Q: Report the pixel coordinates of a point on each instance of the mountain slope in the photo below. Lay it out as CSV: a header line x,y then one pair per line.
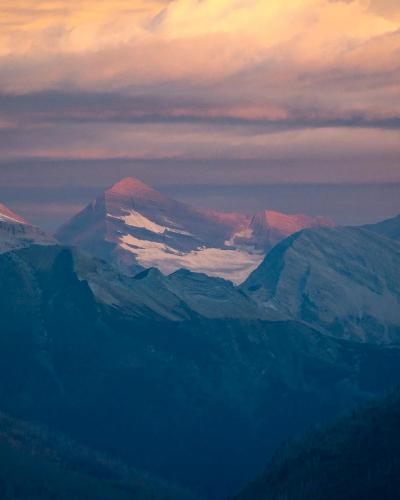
x,y
389,228
136,227
15,232
197,401
358,457
149,295
42,465
345,281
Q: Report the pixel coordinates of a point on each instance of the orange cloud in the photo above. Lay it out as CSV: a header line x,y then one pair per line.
x,y
302,62
92,43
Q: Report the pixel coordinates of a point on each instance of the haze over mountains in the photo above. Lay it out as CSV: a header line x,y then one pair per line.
x,y
135,227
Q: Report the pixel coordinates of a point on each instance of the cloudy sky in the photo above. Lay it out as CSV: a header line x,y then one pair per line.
x,y
225,94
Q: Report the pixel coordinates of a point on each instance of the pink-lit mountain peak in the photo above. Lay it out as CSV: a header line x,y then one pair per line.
x,y
8,215
16,232
130,187
136,227
289,223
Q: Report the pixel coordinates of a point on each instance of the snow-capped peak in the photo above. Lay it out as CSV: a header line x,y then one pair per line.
x,y
135,226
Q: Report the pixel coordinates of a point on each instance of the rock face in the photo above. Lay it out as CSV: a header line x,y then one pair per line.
x,y
343,281
16,232
136,227
200,400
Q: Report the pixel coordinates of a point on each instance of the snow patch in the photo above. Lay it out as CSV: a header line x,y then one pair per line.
x,y
234,265
243,234
136,219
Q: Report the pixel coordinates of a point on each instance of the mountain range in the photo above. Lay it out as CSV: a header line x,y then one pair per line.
x,y
192,400
178,373
135,227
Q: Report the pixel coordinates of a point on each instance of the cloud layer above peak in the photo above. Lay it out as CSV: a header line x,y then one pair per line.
x,y
255,66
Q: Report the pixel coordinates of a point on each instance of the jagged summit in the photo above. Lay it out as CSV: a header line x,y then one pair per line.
x,y
7,215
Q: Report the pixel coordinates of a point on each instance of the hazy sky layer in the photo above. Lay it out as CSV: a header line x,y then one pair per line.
x,y
48,192
261,92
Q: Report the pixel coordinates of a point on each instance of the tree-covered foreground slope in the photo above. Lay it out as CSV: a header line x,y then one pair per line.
x,y
357,458
198,400
37,464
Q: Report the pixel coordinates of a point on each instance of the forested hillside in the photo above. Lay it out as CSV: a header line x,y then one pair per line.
x,y
358,458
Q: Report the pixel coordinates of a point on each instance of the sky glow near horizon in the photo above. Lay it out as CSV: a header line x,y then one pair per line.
x,y
310,82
